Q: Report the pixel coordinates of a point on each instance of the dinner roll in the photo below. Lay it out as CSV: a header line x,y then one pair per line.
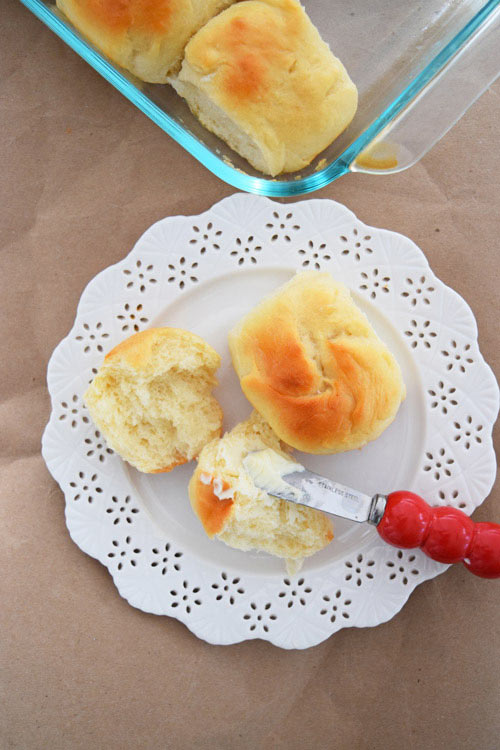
x,y
261,78
234,510
310,362
151,398
147,37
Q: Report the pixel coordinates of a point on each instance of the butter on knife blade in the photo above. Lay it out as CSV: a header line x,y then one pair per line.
x,y
291,481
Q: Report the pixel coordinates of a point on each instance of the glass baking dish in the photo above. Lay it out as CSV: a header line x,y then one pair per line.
x,y
417,66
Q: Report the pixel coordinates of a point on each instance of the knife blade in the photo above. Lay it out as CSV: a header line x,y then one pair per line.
x,y
291,481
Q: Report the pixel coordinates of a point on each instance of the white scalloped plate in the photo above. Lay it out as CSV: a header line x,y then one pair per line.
x,y
203,273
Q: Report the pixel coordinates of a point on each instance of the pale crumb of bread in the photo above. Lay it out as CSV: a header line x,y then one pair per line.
x,y
152,399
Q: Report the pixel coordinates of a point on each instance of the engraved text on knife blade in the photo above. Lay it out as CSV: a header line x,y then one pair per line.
x,y
326,495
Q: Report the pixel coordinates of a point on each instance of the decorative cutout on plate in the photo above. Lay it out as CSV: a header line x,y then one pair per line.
x,y
420,333
418,291
260,617
186,597
246,250
206,238
123,552
336,606
439,463
450,497
95,447
85,487
132,318
295,592
122,510
359,569
374,283
73,411
92,337
314,255
443,396
355,245
166,559
403,567
228,588
458,357
93,373
139,276
468,433
183,273
282,226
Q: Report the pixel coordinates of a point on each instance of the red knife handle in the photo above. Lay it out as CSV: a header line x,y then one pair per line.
x,y
445,534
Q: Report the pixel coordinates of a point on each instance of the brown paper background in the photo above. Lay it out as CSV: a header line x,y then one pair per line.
x,y
82,175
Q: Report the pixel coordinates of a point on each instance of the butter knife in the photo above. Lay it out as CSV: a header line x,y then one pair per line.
x,y
402,519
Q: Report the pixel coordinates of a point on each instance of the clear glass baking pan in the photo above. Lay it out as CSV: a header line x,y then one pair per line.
x,y
417,66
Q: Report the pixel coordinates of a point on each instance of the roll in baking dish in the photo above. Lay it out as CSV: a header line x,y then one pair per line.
x,y
146,37
260,77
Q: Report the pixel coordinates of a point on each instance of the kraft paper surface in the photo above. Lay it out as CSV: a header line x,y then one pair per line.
x,y
83,174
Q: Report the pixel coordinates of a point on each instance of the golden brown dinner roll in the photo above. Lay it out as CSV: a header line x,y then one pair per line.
x,y
311,364
151,398
234,510
261,78
147,37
